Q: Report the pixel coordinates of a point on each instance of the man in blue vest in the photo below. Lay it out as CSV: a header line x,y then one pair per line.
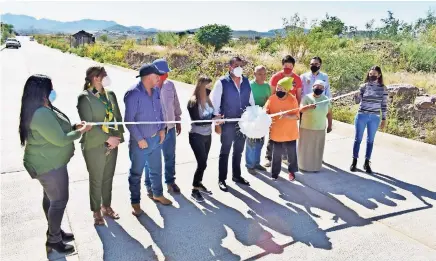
x,y
230,96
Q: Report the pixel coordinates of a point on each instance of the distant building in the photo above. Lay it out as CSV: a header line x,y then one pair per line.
x,y
81,38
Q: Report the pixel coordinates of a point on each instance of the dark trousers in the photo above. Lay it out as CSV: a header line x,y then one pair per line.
x,y
231,134
54,202
269,149
288,148
200,144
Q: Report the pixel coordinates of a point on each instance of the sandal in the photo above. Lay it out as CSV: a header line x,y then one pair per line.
x,y
108,211
98,219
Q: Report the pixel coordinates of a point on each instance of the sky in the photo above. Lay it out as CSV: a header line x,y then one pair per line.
x,y
245,15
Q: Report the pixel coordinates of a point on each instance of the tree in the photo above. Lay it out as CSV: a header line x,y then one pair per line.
x,y
424,24
333,24
391,25
104,37
214,35
7,30
295,39
370,27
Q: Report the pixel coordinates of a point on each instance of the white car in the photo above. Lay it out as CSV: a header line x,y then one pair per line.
x,y
12,42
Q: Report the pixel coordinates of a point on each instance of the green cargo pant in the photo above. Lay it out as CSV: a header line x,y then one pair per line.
x,y
101,170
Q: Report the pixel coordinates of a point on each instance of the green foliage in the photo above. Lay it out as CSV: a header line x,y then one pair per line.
x,y
167,39
415,56
295,40
215,35
7,30
104,38
344,113
268,45
333,25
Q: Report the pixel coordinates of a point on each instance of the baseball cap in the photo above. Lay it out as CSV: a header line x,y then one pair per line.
x,y
149,68
162,65
319,82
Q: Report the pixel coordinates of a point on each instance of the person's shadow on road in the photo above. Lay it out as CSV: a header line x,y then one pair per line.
x,y
188,233
119,245
289,221
358,189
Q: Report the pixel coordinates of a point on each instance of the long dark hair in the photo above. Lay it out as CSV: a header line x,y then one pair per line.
x,y
201,83
380,78
35,94
91,72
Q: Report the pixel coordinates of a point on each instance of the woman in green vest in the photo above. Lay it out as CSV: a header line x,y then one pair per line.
x,y
48,138
100,145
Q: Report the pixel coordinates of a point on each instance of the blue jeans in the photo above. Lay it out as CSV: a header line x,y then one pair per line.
x,y
252,152
362,121
169,153
139,157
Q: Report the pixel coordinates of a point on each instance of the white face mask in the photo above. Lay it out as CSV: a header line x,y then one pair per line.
x,y
238,71
106,81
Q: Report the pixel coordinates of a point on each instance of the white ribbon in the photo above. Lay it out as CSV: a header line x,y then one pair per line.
x,y
219,120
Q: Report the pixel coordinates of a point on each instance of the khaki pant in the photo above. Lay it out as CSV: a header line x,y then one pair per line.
x,y
101,168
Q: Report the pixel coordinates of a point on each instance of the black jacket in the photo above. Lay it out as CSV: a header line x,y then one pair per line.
x,y
195,115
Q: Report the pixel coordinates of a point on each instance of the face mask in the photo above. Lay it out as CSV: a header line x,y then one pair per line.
x,y
163,77
318,91
237,72
373,78
287,70
314,68
280,94
106,81
52,96
208,92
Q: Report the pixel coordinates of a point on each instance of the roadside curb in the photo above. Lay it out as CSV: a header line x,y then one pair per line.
x,y
2,47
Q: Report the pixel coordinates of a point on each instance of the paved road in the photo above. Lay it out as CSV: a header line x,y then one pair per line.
x,y
332,215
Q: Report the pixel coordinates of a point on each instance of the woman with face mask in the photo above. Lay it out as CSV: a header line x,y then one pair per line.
x,y
48,138
200,137
284,128
315,108
100,146
373,99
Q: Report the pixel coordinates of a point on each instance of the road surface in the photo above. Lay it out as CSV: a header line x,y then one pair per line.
x,y
331,215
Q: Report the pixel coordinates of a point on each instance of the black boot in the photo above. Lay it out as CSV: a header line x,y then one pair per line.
x,y
353,165
60,247
65,236
367,167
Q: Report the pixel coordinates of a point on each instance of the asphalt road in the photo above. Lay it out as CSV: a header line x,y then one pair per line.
x,y
331,215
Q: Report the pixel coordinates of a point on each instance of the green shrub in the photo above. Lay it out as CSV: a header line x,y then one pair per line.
x,y
167,39
416,56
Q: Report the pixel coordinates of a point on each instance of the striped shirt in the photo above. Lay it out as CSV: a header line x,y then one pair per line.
x,y
142,107
373,98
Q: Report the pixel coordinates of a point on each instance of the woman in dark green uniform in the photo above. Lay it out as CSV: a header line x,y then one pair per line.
x,y
100,145
48,138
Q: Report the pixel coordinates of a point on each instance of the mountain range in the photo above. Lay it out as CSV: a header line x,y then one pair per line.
x,y
31,25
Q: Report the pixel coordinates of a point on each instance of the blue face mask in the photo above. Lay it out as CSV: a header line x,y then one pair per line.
x,y
52,96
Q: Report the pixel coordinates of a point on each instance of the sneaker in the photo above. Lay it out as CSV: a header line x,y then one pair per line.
x,y
353,167
367,167
196,195
252,171
223,186
260,167
203,189
291,176
241,180
173,188
163,200
268,163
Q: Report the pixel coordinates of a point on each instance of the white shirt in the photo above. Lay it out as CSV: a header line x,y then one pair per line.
x,y
308,79
217,93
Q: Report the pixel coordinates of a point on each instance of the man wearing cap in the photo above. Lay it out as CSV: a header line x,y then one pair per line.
x,y
143,104
171,112
230,96
284,128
